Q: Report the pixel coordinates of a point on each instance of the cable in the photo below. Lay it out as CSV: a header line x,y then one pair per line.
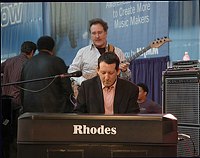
x,y
182,136
73,100
36,91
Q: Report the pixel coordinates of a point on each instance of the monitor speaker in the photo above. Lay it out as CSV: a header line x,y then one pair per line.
x,y
181,97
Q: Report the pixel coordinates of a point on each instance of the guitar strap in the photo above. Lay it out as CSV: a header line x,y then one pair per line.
x,y
111,48
76,87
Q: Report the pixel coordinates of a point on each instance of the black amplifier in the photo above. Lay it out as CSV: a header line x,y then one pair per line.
x,y
186,64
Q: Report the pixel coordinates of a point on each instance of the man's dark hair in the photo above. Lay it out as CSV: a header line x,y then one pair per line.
x,y
144,87
28,46
109,58
45,42
98,21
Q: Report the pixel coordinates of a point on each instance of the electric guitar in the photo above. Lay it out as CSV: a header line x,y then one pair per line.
x,y
155,44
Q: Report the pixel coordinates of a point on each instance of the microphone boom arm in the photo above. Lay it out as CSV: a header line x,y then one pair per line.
x,y
73,74
28,81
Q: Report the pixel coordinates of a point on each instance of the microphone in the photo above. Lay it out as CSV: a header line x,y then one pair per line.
x,y
73,74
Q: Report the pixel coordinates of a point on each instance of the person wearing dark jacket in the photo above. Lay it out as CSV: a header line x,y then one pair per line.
x,y
49,95
107,93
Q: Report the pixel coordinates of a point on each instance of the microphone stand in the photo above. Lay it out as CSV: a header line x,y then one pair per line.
x,y
33,80
40,79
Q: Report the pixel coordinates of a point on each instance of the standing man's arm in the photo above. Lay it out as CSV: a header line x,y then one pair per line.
x,y
124,67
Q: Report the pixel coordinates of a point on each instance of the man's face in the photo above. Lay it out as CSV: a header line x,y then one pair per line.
x,y
107,73
142,94
98,35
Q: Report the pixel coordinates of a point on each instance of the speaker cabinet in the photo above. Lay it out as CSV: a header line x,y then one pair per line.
x,y
181,97
188,147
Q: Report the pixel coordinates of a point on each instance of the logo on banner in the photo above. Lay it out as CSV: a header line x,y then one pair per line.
x,y
11,14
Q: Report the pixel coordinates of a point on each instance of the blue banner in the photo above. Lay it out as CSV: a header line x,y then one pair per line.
x,y
19,22
133,25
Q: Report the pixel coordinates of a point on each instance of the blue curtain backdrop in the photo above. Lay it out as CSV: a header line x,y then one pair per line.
x,y
149,71
184,29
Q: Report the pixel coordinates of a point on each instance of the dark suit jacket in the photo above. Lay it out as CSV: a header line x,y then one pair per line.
x,y
90,97
55,96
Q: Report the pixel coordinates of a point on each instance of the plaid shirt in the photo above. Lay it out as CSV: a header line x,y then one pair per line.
x,y
11,69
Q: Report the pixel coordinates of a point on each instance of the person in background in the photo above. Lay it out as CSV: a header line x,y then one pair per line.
x,y
11,70
147,106
49,95
107,93
11,73
86,58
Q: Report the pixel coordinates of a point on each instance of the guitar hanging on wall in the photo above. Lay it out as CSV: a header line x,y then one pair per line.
x,y
155,44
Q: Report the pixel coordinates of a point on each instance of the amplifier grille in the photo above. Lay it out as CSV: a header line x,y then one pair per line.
x,y
182,99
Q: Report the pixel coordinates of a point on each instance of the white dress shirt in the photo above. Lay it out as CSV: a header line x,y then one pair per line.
x,y
86,60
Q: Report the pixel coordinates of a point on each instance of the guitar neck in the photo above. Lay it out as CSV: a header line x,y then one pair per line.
x,y
132,57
